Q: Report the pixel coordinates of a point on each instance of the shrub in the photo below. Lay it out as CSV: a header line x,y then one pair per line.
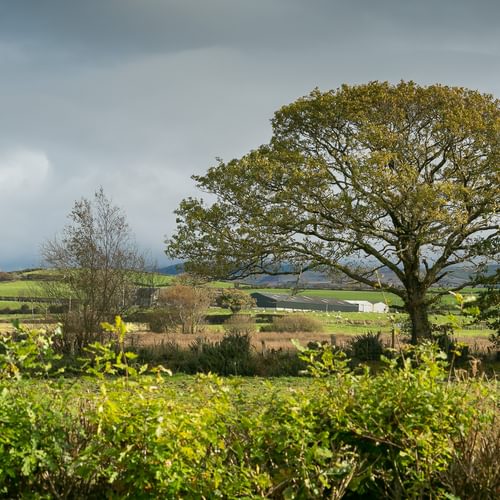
x,y
278,363
403,421
234,299
366,347
7,276
293,323
159,320
58,308
242,324
232,355
442,336
24,309
187,305
494,339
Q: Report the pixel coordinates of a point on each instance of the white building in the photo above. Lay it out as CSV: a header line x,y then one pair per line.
x,y
366,306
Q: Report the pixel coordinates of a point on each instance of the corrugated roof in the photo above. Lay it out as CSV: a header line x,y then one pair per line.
x,y
291,299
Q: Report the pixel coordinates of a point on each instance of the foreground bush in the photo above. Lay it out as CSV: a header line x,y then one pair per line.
x,y
405,432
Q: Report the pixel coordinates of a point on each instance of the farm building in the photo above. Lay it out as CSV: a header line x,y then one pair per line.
x,y
301,303
366,306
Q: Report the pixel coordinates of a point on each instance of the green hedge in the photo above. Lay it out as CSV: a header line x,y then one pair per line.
x,y
395,434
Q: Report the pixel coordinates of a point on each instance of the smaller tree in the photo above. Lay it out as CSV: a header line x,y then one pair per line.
x,y
96,259
234,299
186,305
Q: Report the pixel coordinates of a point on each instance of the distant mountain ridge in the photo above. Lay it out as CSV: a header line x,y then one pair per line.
x,y
172,270
316,279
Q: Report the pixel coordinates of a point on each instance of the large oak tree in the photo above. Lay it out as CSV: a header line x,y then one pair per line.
x,y
398,177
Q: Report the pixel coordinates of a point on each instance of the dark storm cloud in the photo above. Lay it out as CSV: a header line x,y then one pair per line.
x,y
136,95
126,28
103,28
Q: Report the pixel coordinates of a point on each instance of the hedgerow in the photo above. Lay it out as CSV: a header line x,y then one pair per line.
x,y
117,433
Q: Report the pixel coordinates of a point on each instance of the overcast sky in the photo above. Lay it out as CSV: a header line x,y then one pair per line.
x,y
137,95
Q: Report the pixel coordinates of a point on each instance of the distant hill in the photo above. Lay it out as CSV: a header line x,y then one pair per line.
x,y
172,270
315,279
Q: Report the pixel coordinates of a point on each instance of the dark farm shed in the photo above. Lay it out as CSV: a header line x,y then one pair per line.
x,y
301,302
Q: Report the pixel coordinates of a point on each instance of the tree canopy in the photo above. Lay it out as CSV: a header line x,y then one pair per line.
x,y
358,180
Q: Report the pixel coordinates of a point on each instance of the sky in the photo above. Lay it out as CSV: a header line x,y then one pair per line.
x,y
138,95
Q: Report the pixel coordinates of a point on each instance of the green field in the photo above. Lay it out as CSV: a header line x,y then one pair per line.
x,y
34,287
339,323
11,304
21,288
358,323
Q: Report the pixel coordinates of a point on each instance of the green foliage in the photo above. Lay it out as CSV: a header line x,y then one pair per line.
x,y
232,355
234,299
47,429
323,360
403,432
25,351
112,358
400,421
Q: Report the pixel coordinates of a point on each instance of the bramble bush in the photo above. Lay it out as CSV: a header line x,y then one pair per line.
x,y
406,431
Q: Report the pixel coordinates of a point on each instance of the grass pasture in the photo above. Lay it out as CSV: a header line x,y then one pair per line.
x,y
12,304
358,323
334,323
21,288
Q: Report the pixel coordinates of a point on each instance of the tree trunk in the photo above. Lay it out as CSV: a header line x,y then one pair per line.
x,y
419,317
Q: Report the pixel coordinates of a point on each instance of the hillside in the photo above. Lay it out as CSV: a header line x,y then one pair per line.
x,y
319,280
